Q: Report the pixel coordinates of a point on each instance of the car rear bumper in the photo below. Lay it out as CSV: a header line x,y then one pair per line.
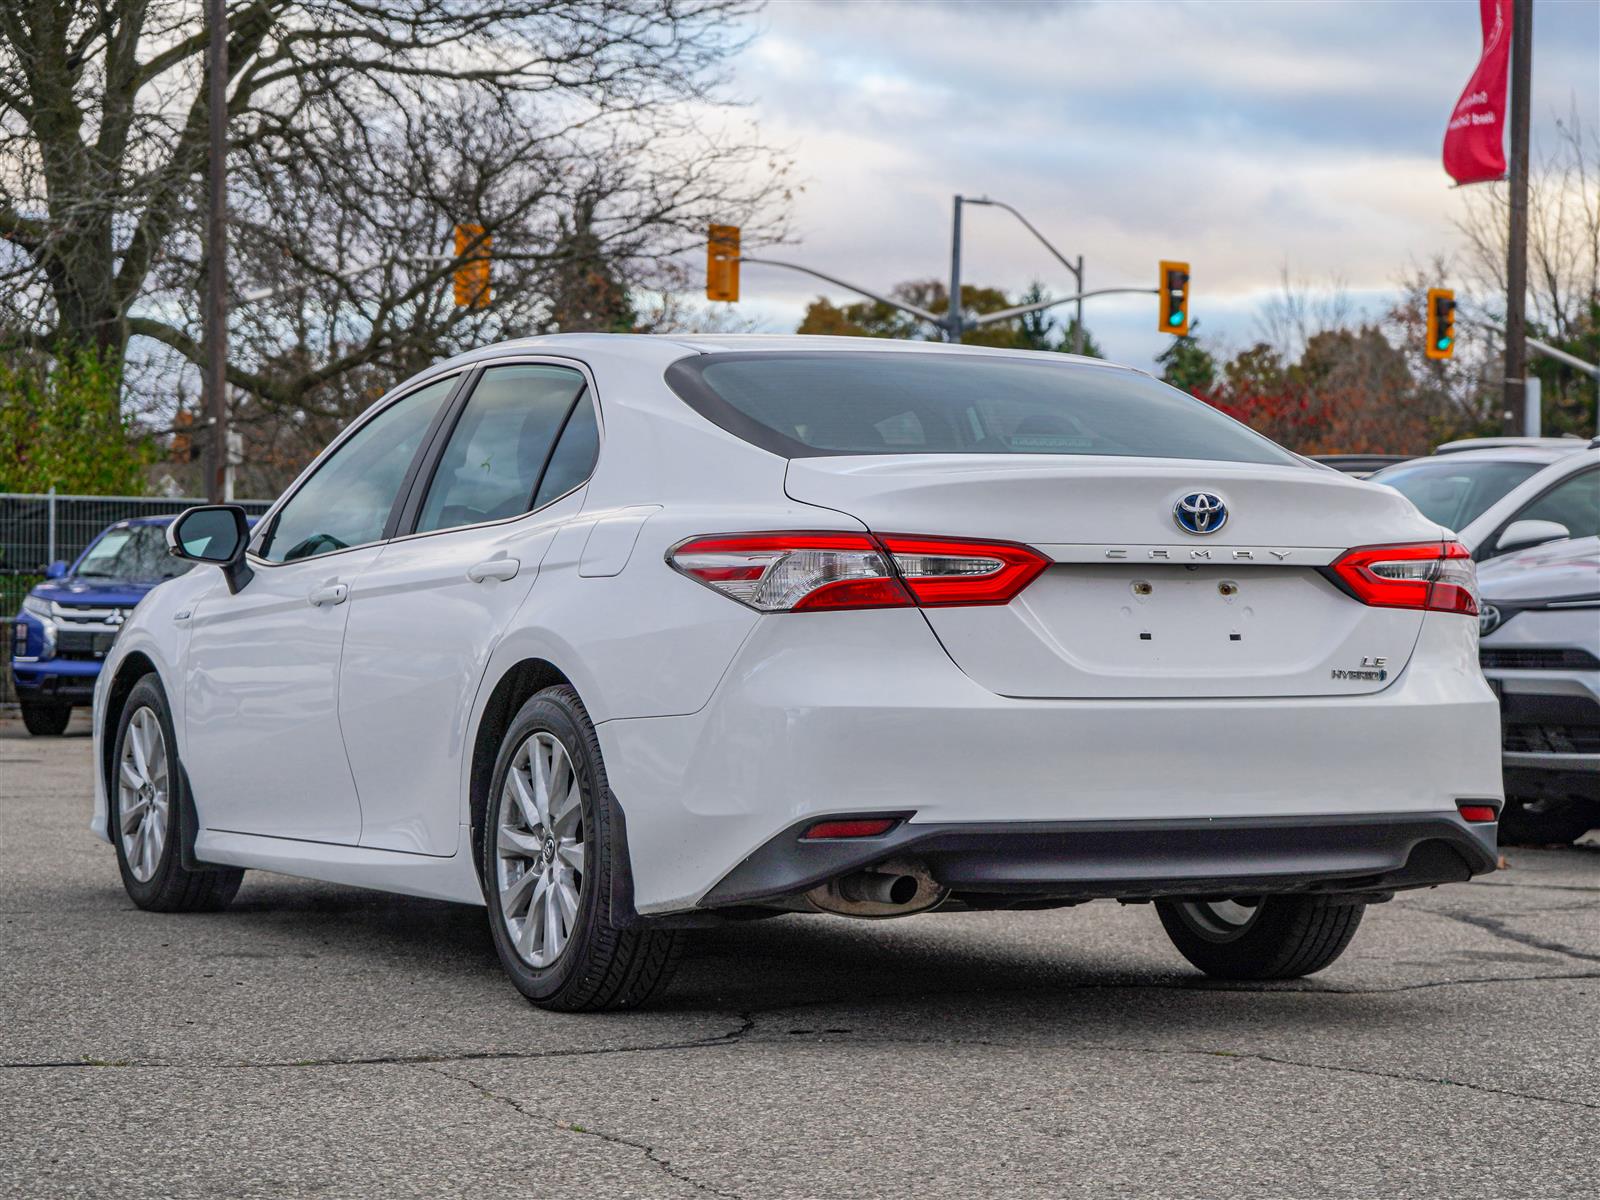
x,y
820,716
1136,860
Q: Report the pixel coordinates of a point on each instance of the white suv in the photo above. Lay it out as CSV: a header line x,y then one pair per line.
x,y
625,635
1540,651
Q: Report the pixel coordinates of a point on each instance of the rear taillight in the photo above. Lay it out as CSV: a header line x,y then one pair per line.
x,y
1437,576
942,571
808,571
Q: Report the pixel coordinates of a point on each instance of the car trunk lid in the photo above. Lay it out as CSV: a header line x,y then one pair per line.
x,y
1133,605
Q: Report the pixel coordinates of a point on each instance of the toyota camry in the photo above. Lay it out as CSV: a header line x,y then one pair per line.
x,y
619,636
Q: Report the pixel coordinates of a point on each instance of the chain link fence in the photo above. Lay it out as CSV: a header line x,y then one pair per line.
x,y
37,529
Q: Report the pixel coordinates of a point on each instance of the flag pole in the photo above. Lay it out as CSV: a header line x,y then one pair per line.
x,y
1516,357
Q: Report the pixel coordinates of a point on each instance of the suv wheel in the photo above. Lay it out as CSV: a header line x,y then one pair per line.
x,y
147,817
1261,937
46,720
551,847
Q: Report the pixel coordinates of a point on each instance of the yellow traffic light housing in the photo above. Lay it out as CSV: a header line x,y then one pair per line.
x,y
722,263
472,274
1441,341
1174,292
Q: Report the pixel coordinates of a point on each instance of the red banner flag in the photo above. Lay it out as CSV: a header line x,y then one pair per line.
x,y
1474,141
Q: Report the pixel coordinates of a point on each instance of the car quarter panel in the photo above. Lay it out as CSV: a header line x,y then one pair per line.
x,y
836,713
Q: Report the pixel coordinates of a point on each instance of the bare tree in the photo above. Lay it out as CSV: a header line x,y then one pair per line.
x,y
1563,235
573,132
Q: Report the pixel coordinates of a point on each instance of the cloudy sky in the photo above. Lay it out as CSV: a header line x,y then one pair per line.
x,y
1242,135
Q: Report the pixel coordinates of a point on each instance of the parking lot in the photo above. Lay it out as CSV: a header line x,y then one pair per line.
x,y
325,1040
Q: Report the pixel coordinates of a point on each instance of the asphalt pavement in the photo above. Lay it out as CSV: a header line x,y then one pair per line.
x,y
326,1041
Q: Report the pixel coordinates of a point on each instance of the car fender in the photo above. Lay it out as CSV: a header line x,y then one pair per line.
x,y
158,630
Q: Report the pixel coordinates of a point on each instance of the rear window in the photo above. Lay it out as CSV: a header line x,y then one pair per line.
x,y
803,404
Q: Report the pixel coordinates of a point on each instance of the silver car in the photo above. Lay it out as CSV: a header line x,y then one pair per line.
x,y
1540,648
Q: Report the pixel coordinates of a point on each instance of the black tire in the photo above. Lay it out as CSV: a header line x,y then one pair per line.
x,y
1547,820
46,720
600,966
170,887
1285,938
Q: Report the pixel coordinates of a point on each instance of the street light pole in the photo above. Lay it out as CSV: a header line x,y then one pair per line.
x,y
953,325
1075,267
215,380
1077,333
1516,360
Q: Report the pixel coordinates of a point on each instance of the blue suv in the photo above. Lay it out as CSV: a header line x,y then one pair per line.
x,y
69,621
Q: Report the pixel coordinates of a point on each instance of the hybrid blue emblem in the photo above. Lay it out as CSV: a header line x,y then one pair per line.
x,y
1200,512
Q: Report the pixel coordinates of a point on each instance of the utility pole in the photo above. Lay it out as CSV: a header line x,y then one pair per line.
x,y
1077,333
953,313
1516,359
215,381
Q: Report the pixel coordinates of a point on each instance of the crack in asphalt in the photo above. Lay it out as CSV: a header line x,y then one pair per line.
x,y
1503,931
748,1022
398,1060
1399,1076
616,1139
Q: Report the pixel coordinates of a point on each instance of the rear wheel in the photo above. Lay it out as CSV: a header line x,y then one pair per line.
x,y
147,815
46,720
1547,820
552,846
1261,937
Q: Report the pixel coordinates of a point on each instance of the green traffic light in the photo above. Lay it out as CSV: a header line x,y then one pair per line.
x,y
1443,343
1177,319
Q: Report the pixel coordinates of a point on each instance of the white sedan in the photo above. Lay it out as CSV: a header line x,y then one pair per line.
x,y
623,635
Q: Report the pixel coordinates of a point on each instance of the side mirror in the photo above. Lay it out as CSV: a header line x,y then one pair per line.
x,y
1519,535
216,534
55,570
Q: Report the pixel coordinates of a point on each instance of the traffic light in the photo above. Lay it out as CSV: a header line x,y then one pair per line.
x,y
1441,341
722,263
472,275
1174,292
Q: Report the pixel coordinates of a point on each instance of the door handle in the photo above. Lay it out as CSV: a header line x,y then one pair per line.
x,y
494,568
334,593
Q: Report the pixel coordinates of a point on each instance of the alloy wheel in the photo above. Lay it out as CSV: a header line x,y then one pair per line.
x,y
143,794
540,849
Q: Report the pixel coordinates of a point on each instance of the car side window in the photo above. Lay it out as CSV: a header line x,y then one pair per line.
x,y
573,459
347,501
1574,502
502,440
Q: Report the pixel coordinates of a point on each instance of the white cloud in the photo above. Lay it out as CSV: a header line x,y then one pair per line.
x,y
1239,135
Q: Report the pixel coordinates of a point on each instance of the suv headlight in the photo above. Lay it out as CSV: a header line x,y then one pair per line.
x,y
40,610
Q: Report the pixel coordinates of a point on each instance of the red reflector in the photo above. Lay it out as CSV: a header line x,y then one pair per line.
x,y
861,827
1480,813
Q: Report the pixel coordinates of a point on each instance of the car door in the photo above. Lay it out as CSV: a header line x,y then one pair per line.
x,y
430,609
262,745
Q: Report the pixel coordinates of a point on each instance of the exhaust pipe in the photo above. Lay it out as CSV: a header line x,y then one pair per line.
x,y
896,888
879,887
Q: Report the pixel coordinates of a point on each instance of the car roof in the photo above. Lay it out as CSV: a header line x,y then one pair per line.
x,y
1568,442
668,347
1542,455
